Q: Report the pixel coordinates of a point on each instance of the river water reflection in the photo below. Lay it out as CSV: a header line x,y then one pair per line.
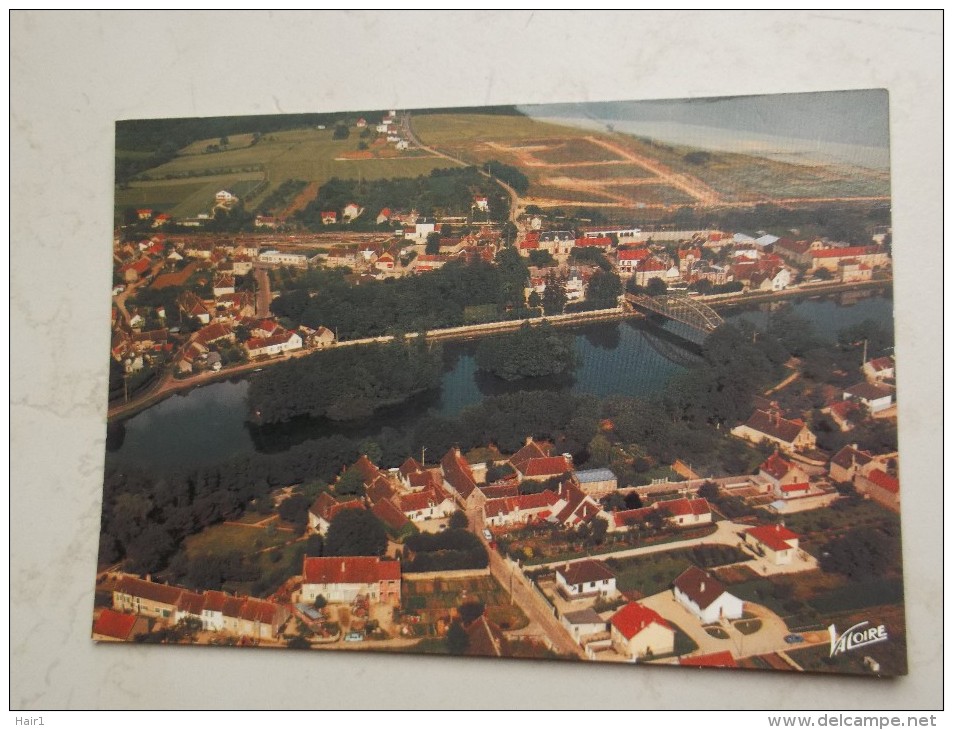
x,y
207,425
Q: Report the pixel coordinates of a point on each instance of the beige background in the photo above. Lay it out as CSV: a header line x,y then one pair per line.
x,y
74,74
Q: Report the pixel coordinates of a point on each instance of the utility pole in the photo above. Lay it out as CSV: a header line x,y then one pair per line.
x,y
423,452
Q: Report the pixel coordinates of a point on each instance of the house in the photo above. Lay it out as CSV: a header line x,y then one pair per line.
x,y
388,513
343,579
385,262
650,268
144,214
582,624
283,341
558,243
830,258
161,220
485,638
156,600
319,337
384,215
849,462
845,413
457,475
266,221
851,270
776,542
223,284
876,397
628,261
405,470
686,512
136,270
282,258
430,262
329,217
637,631
430,504
705,597
580,507
586,578
114,626
786,479
325,508
601,242
770,426
521,509
225,197
880,368
481,203
596,481
361,123
351,211
880,487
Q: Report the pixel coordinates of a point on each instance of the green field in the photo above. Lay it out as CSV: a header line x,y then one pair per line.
x,y
433,599
224,538
655,572
468,130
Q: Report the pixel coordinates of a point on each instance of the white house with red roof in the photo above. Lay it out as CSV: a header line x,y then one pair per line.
x,y
880,368
876,397
786,478
343,579
584,578
481,203
329,217
637,631
325,508
432,503
651,268
522,509
705,597
115,626
458,476
628,261
278,343
776,542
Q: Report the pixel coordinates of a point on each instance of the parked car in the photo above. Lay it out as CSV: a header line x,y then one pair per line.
x,y
487,534
793,639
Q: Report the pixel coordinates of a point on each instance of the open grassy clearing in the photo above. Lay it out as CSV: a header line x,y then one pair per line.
x,y
235,142
655,572
572,151
220,539
466,130
649,194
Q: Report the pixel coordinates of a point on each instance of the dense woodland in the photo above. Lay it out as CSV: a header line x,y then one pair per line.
x,y
530,352
456,294
446,191
344,384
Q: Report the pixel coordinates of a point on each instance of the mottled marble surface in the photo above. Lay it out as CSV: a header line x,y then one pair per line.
x,y
74,74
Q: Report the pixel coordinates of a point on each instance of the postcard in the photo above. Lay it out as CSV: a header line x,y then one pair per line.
x,y
608,382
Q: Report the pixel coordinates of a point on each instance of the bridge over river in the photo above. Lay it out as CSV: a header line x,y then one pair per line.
x,y
698,318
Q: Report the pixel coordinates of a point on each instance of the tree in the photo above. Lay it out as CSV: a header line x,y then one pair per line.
x,y
341,131
862,553
457,640
223,142
320,602
433,243
355,532
541,257
656,286
459,521
709,491
604,290
470,611
295,510
554,297
298,642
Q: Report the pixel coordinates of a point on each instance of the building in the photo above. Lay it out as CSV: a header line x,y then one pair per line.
x,y
278,343
789,434
597,481
849,462
637,632
280,258
785,478
874,396
705,597
586,578
155,600
880,368
581,624
880,487
777,543
341,580
114,626
325,508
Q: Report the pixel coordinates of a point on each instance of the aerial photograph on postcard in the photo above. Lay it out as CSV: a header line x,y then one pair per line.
x,y
602,381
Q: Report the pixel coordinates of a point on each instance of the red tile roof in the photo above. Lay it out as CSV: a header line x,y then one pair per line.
x,y
114,624
214,601
601,242
718,659
848,456
633,618
869,391
547,466
191,602
629,517
827,253
532,450
684,506
884,481
457,472
350,570
797,487
500,489
387,513
775,537
637,255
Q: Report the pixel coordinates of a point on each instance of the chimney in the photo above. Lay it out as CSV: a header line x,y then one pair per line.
x,y
342,567
529,440
701,587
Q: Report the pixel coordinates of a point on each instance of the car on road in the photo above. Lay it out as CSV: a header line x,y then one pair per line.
x,y
793,639
487,534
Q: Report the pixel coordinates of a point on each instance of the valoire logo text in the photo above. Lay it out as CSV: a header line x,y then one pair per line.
x,y
856,636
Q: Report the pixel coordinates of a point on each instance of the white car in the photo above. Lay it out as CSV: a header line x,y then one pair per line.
x,y
488,535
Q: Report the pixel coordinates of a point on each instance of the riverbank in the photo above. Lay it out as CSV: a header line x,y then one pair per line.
x,y
167,385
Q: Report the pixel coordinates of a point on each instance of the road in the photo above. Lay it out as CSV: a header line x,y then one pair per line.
x,y
263,297
536,608
515,208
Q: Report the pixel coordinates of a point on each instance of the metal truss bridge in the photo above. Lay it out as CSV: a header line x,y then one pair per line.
x,y
682,309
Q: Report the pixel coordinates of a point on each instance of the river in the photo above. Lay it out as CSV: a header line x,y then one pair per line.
x,y
207,425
